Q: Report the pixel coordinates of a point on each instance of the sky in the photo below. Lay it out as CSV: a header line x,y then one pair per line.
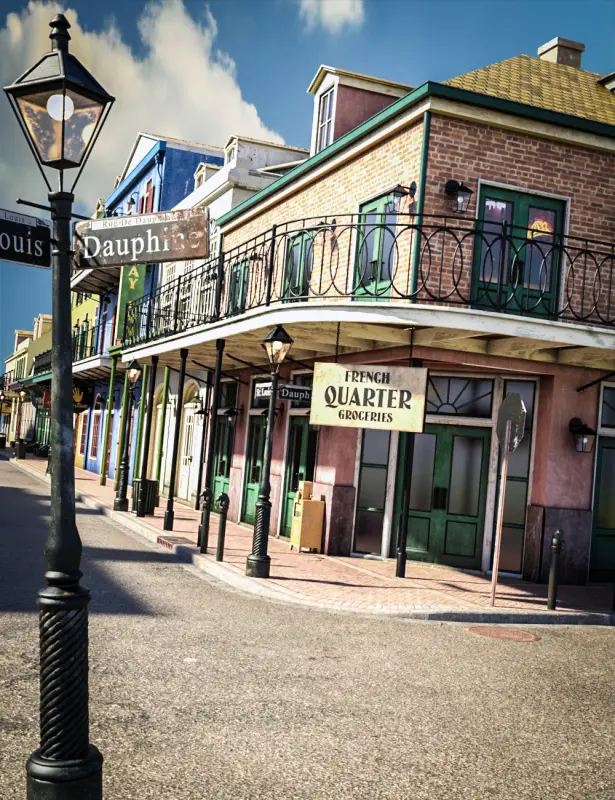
x,y
207,70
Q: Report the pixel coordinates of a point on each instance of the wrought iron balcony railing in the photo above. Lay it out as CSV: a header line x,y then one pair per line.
x,y
90,340
389,258
42,363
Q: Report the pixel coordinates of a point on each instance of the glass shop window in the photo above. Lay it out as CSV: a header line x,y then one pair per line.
x,y
372,491
607,417
306,379
257,400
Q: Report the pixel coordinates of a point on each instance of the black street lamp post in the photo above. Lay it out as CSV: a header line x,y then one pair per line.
x,y
277,344
121,499
61,109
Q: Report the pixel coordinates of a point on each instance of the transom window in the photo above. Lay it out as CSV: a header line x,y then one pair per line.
x,y
324,134
255,400
460,397
228,395
303,379
608,407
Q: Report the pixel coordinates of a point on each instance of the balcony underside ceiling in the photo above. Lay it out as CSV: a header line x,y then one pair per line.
x,y
365,330
93,369
96,281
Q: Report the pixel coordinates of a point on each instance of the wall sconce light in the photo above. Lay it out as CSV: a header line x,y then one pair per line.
x,y
398,194
459,196
583,436
131,203
231,414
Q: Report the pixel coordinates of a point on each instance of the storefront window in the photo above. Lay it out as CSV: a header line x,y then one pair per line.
x,y
260,399
372,491
608,407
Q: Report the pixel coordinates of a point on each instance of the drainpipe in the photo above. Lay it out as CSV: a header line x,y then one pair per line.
x,y
420,202
107,431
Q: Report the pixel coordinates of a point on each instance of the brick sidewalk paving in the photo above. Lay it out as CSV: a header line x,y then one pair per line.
x,y
347,583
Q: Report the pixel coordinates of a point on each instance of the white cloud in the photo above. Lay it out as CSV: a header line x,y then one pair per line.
x,y
181,85
332,15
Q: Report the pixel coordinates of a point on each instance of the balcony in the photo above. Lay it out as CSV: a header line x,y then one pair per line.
x,y
88,345
393,259
42,364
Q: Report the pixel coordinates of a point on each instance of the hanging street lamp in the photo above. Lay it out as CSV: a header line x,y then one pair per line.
x,y
277,345
61,109
120,503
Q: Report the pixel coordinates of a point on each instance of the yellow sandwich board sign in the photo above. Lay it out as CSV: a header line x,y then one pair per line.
x,y
369,396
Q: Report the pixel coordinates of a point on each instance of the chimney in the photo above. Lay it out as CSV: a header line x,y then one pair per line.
x,y
562,51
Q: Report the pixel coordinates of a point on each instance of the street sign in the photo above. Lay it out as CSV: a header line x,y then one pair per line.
x,y
510,427
25,240
262,391
512,410
366,396
140,239
288,391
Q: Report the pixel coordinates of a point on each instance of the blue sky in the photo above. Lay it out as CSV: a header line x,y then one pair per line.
x,y
276,53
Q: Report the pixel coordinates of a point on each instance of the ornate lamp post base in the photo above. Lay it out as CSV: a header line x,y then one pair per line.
x,y
120,504
79,779
258,566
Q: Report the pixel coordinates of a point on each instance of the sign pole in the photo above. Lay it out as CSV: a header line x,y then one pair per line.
x,y
498,529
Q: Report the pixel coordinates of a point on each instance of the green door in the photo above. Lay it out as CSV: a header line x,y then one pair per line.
x,y
300,463
223,455
448,489
254,467
518,253
602,564
376,249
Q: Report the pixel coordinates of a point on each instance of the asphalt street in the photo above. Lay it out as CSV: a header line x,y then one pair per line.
x,y
200,692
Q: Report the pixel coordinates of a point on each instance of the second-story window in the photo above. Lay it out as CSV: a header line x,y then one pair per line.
x,y
324,133
149,197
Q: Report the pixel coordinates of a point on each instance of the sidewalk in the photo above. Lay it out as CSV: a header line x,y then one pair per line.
x,y
349,584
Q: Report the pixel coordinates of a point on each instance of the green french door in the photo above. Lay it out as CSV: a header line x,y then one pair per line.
x,y
448,489
223,455
517,256
254,467
602,563
375,249
300,464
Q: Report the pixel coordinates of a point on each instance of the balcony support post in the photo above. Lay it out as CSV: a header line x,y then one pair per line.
x,y
147,435
104,464
219,287
176,308
199,481
164,399
208,491
137,459
120,444
169,513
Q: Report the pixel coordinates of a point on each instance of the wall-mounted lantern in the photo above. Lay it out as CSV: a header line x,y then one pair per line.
x,y
459,196
131,203
231,415
583,436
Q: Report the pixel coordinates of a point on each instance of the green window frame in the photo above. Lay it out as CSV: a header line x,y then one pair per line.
x,y
375,248
237,288
298,266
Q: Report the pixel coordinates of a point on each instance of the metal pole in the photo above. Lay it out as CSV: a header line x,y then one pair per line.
x,y
223,502
107,432
208,491
121,500
500,520
258,562
556,549
66,765
146,437
169,513
120,444
163,417
199,481
137,460
402,542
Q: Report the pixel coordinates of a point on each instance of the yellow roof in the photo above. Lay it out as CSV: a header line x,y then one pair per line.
x,y
543,84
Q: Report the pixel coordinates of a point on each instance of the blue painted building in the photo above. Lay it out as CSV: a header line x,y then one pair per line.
x,y
158,174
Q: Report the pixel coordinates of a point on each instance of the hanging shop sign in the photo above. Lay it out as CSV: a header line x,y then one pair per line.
x,y
25,240
140,239
82,398
289,391
366,396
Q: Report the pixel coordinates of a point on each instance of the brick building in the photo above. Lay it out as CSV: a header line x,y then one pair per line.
x,y
467,225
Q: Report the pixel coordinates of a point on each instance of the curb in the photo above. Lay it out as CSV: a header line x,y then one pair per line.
x,y
259,587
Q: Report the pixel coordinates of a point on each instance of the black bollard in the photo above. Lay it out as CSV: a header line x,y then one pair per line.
x,y
223,502
556,549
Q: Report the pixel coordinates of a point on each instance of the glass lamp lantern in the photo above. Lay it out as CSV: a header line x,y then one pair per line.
x,y
277,345
134,372
59,105
582,435
459,196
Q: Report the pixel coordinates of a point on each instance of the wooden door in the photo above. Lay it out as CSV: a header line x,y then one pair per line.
x,y
254,467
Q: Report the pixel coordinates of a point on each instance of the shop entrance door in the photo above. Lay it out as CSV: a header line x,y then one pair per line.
x,y
602,564
186,452
223,455
300,463
448,489
254,467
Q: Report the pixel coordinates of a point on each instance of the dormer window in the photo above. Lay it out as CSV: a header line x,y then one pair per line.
x,y
230,154
324,134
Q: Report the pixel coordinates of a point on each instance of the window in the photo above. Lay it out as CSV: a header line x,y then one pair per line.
x,y
299,261
228,395
95,434
230,155
237,288
372,491
324,132
149,197
608,407
84,433
376,246
303,379
260,396
460,397
141,204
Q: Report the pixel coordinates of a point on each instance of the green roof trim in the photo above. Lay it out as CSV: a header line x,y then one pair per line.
x,y
427,89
